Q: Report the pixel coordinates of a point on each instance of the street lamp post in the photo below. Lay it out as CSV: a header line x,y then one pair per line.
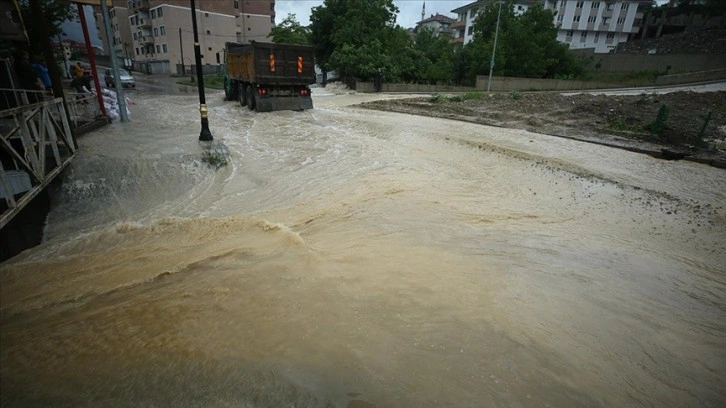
x,y
205,135
494,50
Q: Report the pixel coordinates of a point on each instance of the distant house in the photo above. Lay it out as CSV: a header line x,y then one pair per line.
x,y
463,28
439,23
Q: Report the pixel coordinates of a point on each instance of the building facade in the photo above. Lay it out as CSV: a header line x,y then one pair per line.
x,y
597,24
463,27
156,36
438,23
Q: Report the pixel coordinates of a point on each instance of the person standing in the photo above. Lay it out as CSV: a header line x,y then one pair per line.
x,y
27,77
378,82
42,71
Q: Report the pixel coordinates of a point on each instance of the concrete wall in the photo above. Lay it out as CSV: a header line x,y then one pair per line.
x,y
367,87
678,63
538,84
703,76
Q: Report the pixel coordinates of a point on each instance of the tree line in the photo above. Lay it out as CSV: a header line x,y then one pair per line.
x,y
355,38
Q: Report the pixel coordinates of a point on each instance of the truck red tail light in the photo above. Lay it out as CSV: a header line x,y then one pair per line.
x,y
262,91
304,92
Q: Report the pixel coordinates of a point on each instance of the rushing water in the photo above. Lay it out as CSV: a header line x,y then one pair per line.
x,y
351,258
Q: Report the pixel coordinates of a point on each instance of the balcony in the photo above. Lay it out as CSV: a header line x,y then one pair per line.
x,y
458,24
147,40
141,5
145,22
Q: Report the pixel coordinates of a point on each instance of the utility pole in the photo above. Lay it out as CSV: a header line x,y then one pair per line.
x,y
205,135
494,50
114,64
181,47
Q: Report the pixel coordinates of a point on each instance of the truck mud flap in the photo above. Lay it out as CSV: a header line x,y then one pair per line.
x,y
276,104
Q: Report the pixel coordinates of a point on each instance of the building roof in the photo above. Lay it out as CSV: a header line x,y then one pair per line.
x,y
481,3
439,18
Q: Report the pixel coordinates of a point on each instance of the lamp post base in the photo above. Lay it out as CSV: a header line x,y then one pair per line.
x,y
205,135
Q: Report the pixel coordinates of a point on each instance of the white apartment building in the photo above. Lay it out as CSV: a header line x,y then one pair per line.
x,y
597,24
463,28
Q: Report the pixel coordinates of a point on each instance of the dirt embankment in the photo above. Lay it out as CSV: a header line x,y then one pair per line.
x,y
670,125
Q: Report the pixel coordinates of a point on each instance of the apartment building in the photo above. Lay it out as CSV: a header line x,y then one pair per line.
x,y
160,35
597,24
121,40
463,28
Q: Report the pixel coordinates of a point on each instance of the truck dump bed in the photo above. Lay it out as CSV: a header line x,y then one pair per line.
x,y
270,63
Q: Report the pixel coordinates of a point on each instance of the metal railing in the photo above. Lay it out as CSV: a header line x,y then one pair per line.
x,y
82,108
36,144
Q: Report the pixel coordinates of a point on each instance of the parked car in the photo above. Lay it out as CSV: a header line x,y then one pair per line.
x,y
127,81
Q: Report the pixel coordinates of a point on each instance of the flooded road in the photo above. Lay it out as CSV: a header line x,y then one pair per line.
x,y
353,258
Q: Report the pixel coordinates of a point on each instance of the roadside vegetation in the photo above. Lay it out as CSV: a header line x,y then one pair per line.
x,y
212,81
357,38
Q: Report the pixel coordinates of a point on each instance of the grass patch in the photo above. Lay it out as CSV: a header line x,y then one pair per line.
x,y
212,81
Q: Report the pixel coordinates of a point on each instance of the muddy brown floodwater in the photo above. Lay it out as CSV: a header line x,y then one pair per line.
x,y
353,258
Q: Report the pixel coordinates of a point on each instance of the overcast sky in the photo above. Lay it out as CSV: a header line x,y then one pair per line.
x,y
409,11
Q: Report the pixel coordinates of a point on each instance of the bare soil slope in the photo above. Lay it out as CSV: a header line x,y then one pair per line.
x,y
629,122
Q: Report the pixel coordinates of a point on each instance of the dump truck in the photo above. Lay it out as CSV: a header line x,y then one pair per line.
x,y
268,77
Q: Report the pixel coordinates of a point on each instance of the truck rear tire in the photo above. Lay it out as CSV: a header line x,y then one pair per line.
x,y
231,89
250,94
242,95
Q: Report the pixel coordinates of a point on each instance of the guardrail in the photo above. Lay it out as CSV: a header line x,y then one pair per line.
x,y
36,144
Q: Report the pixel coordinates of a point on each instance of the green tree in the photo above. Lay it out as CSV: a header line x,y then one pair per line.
x,y
526,46
437,54
55,11
290,31
349,35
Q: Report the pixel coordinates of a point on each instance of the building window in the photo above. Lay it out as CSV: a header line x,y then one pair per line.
x,y
158,48
210,48
560,18
153,14
579,4
163,48
597,37
609,6
206,14
583,36
595,5
605,20
137,51
624,6
209,32
159,12
472,13
609,39
162,30
621,20
272,6
568,37
591,19
156,32
134,36
236,4
576,19
470,30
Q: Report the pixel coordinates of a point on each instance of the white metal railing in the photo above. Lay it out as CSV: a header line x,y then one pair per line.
x,y
82,108
36,144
